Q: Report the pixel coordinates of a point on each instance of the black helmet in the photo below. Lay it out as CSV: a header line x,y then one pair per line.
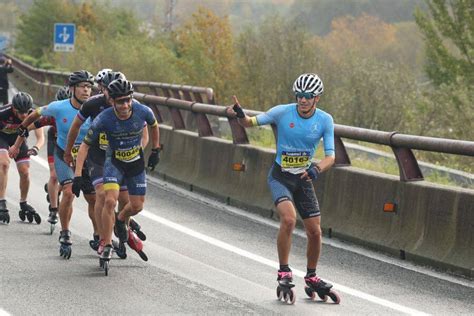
x,y
120,88
111,76
63,93
22,102
80,76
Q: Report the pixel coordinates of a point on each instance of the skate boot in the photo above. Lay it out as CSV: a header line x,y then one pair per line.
x,y
27,211
120,249
94,243
137,229
316,285
285,286
105,257
120,230
52,218
136,244
65,249
4,215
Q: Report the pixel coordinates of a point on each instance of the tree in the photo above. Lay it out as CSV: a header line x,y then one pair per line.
x,y
36,27
205,49
270,58
449,38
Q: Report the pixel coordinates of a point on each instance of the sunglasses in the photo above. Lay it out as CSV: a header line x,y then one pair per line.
x,y
86,86
306,95
123,100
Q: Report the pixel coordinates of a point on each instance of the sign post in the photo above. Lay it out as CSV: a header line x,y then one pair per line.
x,y
64,37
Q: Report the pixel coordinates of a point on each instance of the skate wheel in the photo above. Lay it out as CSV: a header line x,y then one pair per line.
x,y
46,187
291,297
61,251
22,215
101,262
29,216
106,268
51,229
143,256
309,292
323,297
37,218
334,297
279,293
69,252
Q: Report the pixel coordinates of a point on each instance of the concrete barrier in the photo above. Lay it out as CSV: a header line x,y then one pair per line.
x,y
433,224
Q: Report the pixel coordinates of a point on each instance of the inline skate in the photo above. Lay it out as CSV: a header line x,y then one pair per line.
x,y
135,226
27,211
4,215
65,249
94,243
52,218
285,286
121,230
105,257
324,290
136,244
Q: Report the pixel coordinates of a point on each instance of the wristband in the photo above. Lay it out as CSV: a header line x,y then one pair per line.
x,y
237,109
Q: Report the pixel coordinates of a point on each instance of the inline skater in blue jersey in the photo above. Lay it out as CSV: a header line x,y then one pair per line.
x,y
11,116
300,127
80,85
96,155
123,125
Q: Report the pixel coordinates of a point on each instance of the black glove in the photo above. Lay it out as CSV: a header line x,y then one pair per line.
x,y
238,109
77,185
33,151
313,171
22,131
154,158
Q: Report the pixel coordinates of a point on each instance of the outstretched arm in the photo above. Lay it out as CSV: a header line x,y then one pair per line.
x,y
236,110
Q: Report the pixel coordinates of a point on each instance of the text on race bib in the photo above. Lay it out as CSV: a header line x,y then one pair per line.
x,y
103,142
295,159
128,155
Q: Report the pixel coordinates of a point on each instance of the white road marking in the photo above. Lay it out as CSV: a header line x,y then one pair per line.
x,y
262,260
274,264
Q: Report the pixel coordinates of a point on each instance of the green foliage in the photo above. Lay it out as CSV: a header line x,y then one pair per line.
x,y
449,38
206,55
270,59
36,27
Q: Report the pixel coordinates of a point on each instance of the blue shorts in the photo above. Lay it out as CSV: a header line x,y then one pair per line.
x,y
115,178
65,173
286,186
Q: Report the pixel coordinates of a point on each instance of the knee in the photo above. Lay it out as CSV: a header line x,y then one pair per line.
x,y
4,165
314,233
67,195
287,223
110,203
24,173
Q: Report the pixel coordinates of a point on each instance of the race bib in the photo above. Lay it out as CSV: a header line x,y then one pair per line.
x,y
103,142
75,151
292,160
128,155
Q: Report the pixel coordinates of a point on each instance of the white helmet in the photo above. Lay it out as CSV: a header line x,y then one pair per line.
x,y
309,83
101,74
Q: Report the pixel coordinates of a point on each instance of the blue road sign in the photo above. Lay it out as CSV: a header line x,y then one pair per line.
x,y
64,37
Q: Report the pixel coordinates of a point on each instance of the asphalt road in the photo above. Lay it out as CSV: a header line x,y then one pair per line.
x,y
205,258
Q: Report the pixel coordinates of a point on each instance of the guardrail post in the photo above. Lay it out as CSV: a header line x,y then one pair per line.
x,y
203,125
239,135
342,158
407,163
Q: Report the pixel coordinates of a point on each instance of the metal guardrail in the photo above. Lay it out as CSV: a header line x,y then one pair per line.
x,y
401,144
51,80
193,100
